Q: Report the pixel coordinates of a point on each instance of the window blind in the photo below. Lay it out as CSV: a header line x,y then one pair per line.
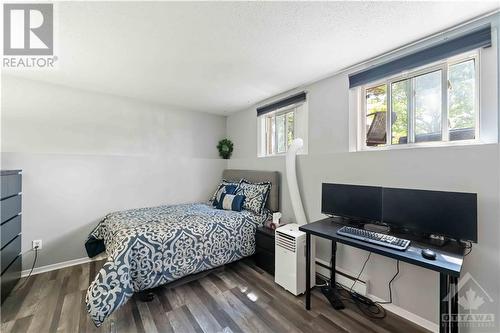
x,y
297,98
475,39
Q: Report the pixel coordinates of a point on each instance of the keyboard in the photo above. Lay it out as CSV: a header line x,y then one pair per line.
x,y
374,238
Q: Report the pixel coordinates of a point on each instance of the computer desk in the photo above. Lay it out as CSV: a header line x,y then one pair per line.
x,y
448,263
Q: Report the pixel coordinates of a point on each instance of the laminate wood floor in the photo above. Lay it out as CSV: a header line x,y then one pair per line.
x,y
241,298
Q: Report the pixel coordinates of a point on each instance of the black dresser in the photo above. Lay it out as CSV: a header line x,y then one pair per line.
x,y
11,185
264,249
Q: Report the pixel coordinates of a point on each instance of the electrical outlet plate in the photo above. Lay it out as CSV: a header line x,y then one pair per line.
x,y
37,243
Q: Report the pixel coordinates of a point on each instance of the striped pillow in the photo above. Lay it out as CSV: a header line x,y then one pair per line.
x,y
231,202
224,187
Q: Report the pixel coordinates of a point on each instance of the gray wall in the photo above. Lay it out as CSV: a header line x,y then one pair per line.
x,y
465,168
84,155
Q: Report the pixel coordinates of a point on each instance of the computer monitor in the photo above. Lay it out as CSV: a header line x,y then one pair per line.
x,y
449,214
360,203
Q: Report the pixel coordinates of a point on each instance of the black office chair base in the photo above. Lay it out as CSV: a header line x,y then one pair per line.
x,y
334,300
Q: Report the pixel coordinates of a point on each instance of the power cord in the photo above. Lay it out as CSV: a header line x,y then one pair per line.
x,y
390,285
364,304
360,272
368,307
32,267
467,246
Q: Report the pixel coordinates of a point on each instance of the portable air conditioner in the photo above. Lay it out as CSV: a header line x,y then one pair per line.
x,y
290,261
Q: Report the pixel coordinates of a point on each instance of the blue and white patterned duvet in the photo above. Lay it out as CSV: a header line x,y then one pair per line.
x,y
149,247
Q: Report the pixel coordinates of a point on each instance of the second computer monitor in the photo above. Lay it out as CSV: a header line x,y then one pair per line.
x,y
450,214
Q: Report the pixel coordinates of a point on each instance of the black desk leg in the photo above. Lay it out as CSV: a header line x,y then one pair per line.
x,y
308,271
333,264
444,313
454,305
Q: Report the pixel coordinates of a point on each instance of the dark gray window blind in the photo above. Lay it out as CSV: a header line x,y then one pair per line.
x,y
297,98
475,39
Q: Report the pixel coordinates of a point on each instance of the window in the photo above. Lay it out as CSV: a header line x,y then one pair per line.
x,y
437,103
278,129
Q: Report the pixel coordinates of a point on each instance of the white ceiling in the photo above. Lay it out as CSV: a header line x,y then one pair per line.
x,y
225,56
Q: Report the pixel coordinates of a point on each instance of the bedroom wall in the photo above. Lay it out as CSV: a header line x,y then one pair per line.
x,y
85,154
460,168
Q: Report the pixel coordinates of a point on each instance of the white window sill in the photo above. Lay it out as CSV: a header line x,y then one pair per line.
x,y
435,144
279,155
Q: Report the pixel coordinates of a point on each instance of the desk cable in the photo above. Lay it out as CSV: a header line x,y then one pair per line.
x,y
370,308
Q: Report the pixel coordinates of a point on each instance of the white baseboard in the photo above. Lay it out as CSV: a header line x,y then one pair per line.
x,y
427,324
59,265
361,288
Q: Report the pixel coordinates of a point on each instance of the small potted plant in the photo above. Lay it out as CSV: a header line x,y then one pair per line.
x,y
225,148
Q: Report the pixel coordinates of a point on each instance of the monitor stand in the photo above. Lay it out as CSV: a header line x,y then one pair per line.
x,y
380,228
349,221
437,240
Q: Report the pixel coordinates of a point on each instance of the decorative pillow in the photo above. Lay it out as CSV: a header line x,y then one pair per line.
x,y
256,195
223,182
231,202
224,187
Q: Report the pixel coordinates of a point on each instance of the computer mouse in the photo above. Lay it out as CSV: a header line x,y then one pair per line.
x,y
429,254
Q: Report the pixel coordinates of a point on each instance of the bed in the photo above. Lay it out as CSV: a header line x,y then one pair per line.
x,y
150,247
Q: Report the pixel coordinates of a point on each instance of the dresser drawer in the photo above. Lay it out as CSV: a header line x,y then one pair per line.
x,y
264,241
10,207
11,185
265,260
9,230
10,252
10,277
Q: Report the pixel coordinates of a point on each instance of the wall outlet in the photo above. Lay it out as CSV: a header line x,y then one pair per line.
x,y
37,243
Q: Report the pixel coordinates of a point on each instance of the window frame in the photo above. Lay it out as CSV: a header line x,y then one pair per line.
x,y
300,124
284,111
444,66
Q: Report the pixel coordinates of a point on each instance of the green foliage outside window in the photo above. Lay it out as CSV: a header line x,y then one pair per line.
x,y
427,99
400,95
290,127
461,89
